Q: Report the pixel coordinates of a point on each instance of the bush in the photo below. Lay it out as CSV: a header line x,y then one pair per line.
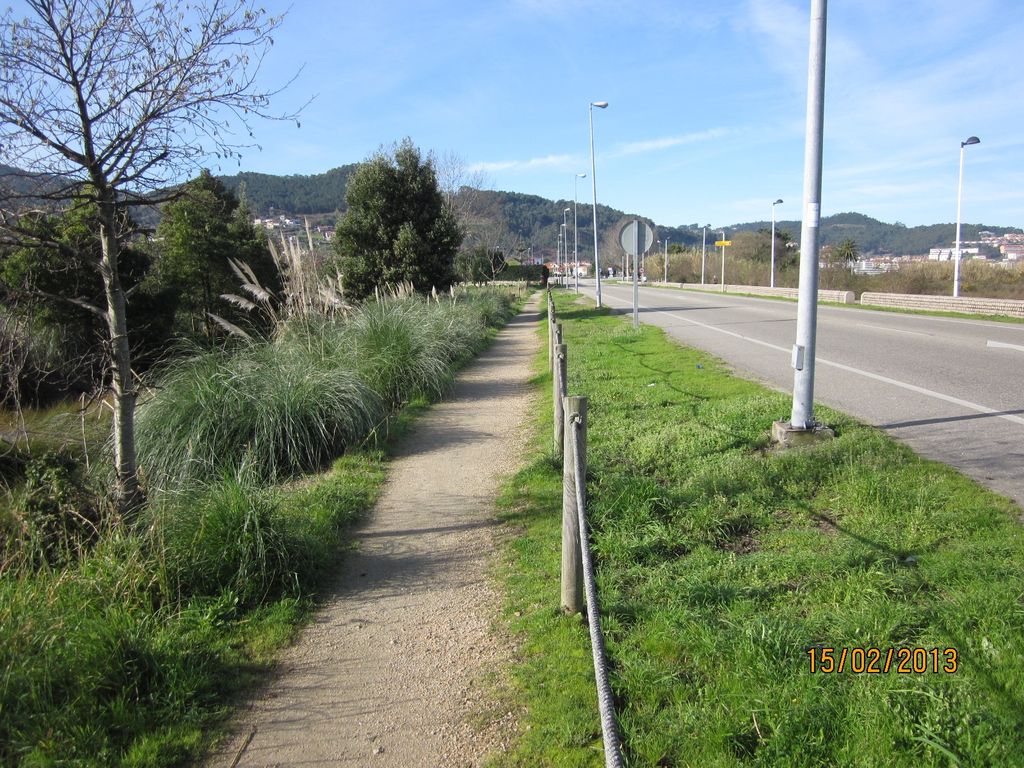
x,y
59,517
292,403
285,406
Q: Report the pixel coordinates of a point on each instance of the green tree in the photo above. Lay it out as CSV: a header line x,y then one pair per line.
x,y
479,264
51,281
124,96
198,234
398,226
846,251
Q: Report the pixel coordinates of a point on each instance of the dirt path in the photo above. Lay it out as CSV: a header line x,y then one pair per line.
x,y
394,667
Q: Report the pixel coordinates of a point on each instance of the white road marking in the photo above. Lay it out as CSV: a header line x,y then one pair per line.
x,y
894,330
976,407
1004,345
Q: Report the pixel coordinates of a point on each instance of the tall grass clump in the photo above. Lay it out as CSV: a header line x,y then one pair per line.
x,y
282,405
290,403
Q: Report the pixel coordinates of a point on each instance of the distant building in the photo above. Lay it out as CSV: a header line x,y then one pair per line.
x,y
946,254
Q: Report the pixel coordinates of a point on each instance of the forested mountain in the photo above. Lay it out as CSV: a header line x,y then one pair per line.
x,y
319,193
516,221
876,237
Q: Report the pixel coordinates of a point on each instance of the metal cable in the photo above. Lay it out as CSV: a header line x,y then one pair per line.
x,y
609,728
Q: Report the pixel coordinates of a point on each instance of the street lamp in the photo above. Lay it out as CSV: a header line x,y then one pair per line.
x,y
558,255
593,184
959,194
565,247
666,260
773,241
575,228
703,253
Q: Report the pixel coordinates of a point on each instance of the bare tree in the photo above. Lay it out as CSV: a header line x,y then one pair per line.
x,y
104,101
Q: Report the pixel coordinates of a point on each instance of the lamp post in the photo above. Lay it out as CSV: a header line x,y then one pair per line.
x,y
703,253
959,195
558,255
565,247
772,283
666,260
575,226
593,186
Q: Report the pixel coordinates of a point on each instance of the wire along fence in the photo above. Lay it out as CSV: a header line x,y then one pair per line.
x,y
578,588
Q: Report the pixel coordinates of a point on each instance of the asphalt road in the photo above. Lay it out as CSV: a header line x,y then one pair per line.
x,y
949,388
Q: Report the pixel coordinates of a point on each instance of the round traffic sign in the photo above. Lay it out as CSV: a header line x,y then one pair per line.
x,y
628,238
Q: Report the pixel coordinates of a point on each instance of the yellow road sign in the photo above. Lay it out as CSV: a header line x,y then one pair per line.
x,y
719,243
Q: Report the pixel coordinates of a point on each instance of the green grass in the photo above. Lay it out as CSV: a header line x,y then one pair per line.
x,y
129,657
131,649
721,563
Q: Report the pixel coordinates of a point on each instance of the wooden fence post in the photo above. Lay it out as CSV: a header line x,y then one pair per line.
x,y
551,333
572,558
558,391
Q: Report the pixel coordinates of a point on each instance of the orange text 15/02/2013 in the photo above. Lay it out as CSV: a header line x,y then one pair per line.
x,y
880,661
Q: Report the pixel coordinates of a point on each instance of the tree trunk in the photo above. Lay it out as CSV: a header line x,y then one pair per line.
x,y
127,495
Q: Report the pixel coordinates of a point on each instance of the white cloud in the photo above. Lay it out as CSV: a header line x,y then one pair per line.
x,y
550,161
655,145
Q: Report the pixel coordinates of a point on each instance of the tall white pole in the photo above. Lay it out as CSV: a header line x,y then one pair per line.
x,y
565,246
802,416
636,277
666,260
703,254
558,256
593,186
772,283
959,197
575,227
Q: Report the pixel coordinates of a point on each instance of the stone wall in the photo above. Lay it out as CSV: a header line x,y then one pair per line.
x,y
968,305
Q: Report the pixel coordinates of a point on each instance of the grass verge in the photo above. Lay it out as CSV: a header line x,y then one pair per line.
x,y
722,565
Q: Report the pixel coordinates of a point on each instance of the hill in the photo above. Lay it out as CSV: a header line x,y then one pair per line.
x,y
877,237
266,193
515,220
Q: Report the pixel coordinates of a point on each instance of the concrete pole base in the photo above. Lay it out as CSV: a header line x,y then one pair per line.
x,y
786,435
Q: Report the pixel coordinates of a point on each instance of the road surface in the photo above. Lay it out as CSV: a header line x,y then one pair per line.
x,y
949,388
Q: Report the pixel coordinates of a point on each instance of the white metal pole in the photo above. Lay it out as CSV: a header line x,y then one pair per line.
x,y
593,186
959,196
956,252
772,281
575,226
802,416
636,279
703,255
666,260
565,247
561,245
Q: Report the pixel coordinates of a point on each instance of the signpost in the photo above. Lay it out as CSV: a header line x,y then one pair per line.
x,y
722,244
636,238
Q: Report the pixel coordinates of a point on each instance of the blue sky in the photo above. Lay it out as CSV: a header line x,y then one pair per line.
x,y
707,100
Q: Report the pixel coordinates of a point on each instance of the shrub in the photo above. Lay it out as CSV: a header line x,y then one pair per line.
x,y
284,405
229,536
59,517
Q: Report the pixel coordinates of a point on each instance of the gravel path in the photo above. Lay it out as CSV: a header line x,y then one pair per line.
x,y
395,668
